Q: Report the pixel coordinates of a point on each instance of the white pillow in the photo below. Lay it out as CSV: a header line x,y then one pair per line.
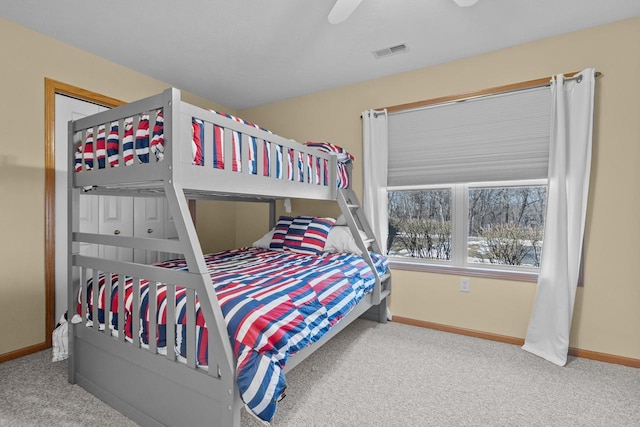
x,y
340,239
264,241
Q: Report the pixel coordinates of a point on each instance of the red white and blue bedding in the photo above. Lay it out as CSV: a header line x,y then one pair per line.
x,y
274,303
308,170
144,144
104,150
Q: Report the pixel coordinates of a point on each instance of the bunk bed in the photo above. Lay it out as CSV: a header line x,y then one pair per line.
x,y
175,343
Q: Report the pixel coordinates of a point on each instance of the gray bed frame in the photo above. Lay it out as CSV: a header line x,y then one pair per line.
x,y
144,384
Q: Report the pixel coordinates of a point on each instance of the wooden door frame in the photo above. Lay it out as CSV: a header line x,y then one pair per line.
x,y
53,87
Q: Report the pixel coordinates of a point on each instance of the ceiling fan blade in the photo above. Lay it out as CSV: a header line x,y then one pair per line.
x,y
342,10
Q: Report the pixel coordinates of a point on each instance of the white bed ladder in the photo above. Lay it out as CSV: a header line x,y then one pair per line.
x,y
357,221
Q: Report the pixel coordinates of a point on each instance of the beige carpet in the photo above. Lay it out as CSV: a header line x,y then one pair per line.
x,y
379,375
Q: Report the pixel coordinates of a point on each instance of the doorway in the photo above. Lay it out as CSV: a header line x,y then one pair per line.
x,y
54,179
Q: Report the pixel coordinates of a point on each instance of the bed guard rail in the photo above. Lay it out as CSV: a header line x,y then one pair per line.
x,y
148,143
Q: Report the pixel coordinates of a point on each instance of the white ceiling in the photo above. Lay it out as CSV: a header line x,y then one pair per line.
x,y
245,53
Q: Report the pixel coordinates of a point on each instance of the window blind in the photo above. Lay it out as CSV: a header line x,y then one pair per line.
x,y
494,138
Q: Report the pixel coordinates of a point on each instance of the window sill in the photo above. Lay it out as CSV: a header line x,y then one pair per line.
x,y
520,276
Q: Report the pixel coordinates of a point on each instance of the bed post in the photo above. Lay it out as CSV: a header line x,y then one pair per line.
x,y
220,355
73,221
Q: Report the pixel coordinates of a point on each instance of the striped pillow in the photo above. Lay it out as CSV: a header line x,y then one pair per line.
x,y
302,234
280,233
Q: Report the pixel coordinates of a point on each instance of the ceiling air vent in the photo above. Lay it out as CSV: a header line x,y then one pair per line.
x,y
400,48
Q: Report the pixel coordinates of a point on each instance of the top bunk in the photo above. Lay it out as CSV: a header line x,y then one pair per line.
x,y
142,147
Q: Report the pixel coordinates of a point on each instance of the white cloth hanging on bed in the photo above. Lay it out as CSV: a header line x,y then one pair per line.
x,y
60,337
60,340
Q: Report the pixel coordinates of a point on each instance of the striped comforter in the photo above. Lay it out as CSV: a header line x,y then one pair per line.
x,y
274,303
308,170
143,143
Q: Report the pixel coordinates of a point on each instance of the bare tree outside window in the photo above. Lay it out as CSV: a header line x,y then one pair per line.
x,y
420,224
506,225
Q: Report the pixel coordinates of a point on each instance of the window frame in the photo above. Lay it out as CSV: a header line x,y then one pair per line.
x,y
399,264
459,264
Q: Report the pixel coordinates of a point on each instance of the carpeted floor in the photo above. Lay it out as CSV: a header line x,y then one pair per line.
x,y
379,375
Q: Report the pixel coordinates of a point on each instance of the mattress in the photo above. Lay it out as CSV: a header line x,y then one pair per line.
x,y
274,304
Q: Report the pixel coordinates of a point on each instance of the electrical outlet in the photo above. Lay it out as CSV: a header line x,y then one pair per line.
x,y
464,284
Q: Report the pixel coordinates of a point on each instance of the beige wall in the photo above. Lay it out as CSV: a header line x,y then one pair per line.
x,y
607,314
24,67
226,225
216,225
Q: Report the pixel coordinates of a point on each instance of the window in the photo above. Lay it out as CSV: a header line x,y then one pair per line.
x,y
420,224
502,226
506,225
467,183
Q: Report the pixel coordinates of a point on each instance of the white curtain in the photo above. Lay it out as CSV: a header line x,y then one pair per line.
x,y
375,153
569,170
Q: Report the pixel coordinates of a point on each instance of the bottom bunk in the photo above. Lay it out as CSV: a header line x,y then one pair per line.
x,y
278,307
